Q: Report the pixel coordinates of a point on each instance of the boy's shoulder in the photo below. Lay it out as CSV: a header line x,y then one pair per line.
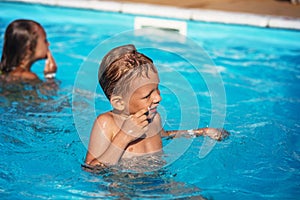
x,y
107,122
105,117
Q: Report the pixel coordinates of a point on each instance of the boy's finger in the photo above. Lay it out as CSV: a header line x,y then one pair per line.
x,y
142,118
144,123
141,112
145,129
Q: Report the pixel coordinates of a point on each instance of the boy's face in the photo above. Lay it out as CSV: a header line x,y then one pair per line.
x,y
143,93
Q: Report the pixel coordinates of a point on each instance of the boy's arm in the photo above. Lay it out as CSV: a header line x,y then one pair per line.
x,y
107,149
112,153
217,134
104,148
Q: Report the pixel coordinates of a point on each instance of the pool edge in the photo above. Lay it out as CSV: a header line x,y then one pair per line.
x,y
203,15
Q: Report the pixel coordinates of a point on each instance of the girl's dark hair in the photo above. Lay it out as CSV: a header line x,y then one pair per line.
x,y
20,35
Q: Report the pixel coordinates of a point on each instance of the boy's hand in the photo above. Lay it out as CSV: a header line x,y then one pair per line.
x,y
50,66
136,125
217,134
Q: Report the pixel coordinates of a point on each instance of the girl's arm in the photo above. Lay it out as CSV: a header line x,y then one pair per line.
x,y
50,66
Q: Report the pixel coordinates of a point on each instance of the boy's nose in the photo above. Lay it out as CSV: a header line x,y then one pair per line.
x,y
156,97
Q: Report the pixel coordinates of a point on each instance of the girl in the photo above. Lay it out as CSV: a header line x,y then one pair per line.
x,y
24,43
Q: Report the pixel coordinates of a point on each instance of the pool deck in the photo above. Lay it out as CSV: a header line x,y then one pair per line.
x,y
261,7
261,13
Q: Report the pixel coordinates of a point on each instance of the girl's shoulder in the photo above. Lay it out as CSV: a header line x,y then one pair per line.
x,y
24,75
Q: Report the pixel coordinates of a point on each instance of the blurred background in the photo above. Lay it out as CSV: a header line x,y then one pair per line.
x,y
288,8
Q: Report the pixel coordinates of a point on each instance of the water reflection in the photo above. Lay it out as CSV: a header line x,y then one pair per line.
x,y
27,92
142,177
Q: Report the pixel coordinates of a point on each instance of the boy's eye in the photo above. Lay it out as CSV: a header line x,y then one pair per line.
x,y
147,96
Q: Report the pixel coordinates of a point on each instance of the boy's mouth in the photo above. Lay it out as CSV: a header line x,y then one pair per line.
x,y
152,110
151,113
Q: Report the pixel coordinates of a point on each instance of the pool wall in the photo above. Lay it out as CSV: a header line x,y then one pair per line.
x,y
204,15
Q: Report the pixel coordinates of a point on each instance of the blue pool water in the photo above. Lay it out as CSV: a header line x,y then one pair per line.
x,y
252,91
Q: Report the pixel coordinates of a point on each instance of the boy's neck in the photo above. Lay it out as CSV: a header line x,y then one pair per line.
x,y
120,114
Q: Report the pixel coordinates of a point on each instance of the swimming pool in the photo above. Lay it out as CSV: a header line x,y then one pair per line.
x,y
42,141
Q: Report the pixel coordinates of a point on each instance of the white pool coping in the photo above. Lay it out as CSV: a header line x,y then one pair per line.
x,y
203,15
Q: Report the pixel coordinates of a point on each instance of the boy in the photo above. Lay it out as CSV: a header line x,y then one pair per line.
x,y
133,128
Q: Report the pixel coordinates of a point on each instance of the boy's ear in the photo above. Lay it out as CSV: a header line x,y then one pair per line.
x,y
117,103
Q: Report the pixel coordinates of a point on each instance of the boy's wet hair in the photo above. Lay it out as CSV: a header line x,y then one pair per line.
x,y
20,36
120,66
